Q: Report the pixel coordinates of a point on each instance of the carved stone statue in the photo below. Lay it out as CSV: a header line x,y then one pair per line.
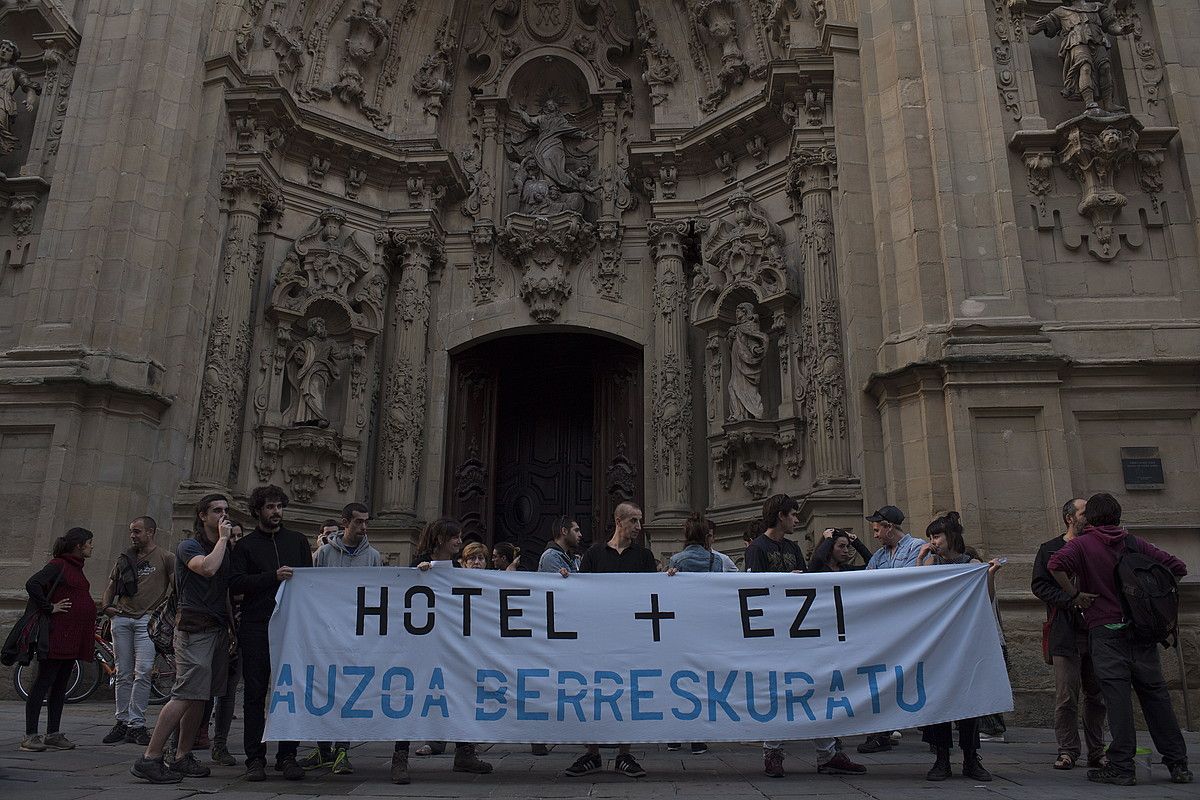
x,y
550,158
1087,68
748,348
312,367
12,79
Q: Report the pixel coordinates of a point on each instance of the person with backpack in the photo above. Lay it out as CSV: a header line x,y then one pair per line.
x,y
1129,594
140,581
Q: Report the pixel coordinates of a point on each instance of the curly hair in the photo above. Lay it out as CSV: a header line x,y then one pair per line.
x,y
266,494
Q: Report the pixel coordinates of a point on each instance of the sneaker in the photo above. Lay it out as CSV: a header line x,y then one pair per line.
x,y
139,736
317,759
290,769
539,749
400,768
896,736
341,763
973,768
116,734
773,763
190,766
222,756
992,737
628,765
673,746
876,744
33,744
56,741
154,770
699,748
256,771
588,762
1110,775
841,764
465,760
431,749
1180,773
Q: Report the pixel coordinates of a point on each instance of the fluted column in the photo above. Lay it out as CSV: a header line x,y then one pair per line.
x,y
822,380
248,198
405,394
671,395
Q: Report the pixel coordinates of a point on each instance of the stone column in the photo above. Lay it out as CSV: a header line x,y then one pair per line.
x,y
822,380
418,254
248,198
671,381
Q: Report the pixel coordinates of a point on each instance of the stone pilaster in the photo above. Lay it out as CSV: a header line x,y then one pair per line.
x,y
671,391
418,254
821,384
249,198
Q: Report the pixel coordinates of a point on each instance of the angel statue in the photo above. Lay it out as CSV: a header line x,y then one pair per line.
x,y
12,80
1087,68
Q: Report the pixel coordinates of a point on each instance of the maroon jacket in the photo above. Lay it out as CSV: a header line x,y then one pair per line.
x,y
1093,556
73,633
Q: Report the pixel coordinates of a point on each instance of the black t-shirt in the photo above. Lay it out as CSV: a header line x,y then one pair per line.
x,y
602,558
764,554
196,592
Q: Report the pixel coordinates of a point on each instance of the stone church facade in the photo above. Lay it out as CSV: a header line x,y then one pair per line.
x,y
517,259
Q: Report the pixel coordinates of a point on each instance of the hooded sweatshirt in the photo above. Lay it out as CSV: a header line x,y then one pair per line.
x,y
1092,557
336,553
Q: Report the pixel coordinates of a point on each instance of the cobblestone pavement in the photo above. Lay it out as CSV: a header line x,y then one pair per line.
x,y
1021,767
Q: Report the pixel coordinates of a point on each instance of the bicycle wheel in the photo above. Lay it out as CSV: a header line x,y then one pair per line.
x,y
25,674
85,678
162,679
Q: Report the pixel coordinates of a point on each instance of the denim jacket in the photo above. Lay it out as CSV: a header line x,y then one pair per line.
x,y
695,558
554,559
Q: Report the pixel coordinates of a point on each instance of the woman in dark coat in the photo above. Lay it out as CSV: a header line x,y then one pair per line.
x,y
61,590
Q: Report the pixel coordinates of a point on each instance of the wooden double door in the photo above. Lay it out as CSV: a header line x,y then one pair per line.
x,y
543,426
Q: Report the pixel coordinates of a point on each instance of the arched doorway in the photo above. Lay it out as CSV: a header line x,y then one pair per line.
x,y
541,426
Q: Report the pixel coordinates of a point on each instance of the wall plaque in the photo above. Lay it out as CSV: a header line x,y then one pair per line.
x,y
1142,468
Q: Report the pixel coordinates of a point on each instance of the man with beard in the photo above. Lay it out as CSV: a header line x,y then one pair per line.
x,y
263,559
559,556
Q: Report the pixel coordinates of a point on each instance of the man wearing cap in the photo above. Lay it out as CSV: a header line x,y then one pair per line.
x,y
897,549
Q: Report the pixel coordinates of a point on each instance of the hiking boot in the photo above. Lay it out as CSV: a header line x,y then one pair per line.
x,y
841,764
673,746
139,736
465,760
973,768
400,768
190,766
154,770
1113,776
773,763
341,763
290,769
876,743
56,741
221,754
256,771
628,765
940,770
1180,773
588,762
317,759
33,744
116,734
539,749
699,748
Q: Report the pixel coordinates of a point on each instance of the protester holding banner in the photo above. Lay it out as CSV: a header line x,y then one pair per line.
x,y
621,553
836,551
441,540
265,558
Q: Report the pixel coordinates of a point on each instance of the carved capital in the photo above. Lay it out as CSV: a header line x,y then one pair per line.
x,y
419,248
251,191
668,237
810,168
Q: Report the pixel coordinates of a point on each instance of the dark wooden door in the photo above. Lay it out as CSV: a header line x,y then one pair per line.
x,y
471,445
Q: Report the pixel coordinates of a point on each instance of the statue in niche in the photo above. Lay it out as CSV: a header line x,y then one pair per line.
x,y
12,80
312,367
748,348
1087,68
549,158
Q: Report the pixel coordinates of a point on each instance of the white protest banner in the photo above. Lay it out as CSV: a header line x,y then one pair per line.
x,y
481,656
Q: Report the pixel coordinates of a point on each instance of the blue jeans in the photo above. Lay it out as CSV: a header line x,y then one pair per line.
x,y
135,660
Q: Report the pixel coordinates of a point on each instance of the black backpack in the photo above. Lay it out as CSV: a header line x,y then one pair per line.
x,y
1149,595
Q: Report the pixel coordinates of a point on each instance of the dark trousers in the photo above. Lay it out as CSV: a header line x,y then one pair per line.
x,y
256,683
222,712
941,735
53,675
1121,664
1073,676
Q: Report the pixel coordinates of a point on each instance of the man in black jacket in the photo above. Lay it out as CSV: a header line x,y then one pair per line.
x,y
1068,646
263,559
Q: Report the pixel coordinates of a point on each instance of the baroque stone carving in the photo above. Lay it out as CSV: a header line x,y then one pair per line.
x,y
318,165
610,271
747,349
745,249
13,79
544,249
328,259
550,173
1084,28
1149,66
312,369
1092,155
286,43
659,68
368,31
483,270
432,81
1006,71
672,420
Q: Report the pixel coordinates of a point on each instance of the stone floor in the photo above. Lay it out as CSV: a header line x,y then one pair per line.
x,y
1020,765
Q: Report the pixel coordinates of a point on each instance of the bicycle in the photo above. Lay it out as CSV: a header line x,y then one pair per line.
x,y
85,678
